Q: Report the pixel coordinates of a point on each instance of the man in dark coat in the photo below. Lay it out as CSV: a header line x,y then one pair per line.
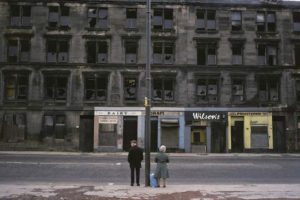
x,y
135,157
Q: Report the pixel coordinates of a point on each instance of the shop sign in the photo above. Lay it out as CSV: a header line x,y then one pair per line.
x,y
165,113
210,116
248,113
119,113
108,119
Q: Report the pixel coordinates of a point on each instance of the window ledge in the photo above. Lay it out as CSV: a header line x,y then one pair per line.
x,y
237,32
206,31
163,30
59,28
296,32
96,29
19,27
266,33
131,29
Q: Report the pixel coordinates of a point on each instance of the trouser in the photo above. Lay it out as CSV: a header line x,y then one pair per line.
x,y
137,171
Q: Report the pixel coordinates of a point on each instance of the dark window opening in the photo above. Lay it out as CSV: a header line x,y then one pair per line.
x,y
59,17
266,21
206,20
55,126
296,54
16,86
130,51
98,18
97,52
131,15
163,52
57,51
56,87
18,50
269,90
206,54
298,91
237,54
267,54
236,21
238,90
130,89
163,19
163,89
96,88
20,15
207,90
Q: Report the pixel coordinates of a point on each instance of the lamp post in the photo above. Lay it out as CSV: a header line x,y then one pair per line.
x,y
148,97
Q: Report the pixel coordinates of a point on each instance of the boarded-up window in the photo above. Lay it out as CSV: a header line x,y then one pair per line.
x,y
54,126
14,127
107,135
130,89
95,88
259,137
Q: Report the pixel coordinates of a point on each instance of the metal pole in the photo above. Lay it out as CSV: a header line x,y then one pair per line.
x,y
148,97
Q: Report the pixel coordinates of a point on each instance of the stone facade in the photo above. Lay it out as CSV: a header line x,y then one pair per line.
x,y
71,57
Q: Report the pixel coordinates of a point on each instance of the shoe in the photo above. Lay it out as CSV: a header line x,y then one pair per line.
x,y
164,186
138,184
131,184
157,186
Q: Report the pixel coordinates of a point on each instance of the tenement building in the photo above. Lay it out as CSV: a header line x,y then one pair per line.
x,y
225,75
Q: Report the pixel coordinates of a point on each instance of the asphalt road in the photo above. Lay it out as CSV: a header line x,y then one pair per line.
x,y
184,169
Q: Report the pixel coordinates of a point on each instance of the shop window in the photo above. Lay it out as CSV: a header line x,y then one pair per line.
x,y
296,54
163,52
59,17
266,21
18,50
267,54
98,18
55,126
237,53
130,89
97,51
207,90
16,86
163,19
206,20
236,20
56,87
131,51
20,15
163,89
107,135
131,18
268,90
206,54
95,88
57,51
298,90
198,137
238,90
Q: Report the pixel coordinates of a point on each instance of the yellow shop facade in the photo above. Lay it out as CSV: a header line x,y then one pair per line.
x,y
249,131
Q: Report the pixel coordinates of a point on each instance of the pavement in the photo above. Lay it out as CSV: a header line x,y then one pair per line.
x,y
112,191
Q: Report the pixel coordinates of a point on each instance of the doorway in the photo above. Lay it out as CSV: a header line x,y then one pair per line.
x,y
129,131
218,138
154,126
237,137
279,134
86,141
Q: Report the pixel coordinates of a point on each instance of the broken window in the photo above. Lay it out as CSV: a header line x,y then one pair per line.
x,y
131,18
97,51
18,50
162,19
266,21
98,18
163,52
206,54
163,89
57,51
296,20
207,90
237,53
95,88
130,51
20,15
236,21
130,89
59,17
268,89
55,126
237,90
206,20
296,54
267,54
16,86
56,87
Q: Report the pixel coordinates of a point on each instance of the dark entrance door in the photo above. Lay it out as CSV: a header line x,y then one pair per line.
x,y
86,141
237,137
278,134
218,139
129,131
154,124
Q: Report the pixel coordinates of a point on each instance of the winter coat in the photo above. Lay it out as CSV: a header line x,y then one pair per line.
x,y
161,168
135,157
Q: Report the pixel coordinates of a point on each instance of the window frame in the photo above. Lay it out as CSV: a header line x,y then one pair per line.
x,y
101,23
17,86
239,27
267,52
162,89
21,21
95,88
58,52
238,98
60,24
205,47
165,46
100,54
207,96
19,52
164,19
268,87
266,24
205,20
127,87
55,87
